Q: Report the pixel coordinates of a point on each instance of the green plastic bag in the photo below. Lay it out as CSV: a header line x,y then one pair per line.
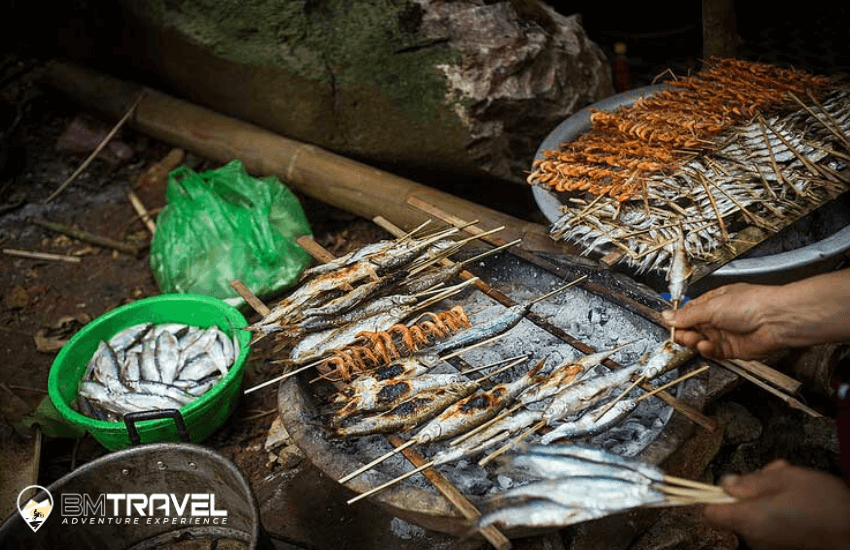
x,y
223,225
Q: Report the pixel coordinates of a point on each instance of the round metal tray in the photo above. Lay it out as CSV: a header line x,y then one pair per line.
x,y
789,265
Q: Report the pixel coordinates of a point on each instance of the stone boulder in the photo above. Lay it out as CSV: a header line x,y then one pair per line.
x,y
416,87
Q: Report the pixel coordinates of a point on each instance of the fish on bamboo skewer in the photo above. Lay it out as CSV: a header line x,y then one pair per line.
x,y
678,275
361,253
767,169
581,483
345,277
666,356
383,396
315,345
409,414
495,326
462,415
567,403
348,361
499,324
549,384
598,421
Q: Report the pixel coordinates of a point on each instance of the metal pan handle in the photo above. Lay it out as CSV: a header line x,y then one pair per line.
x,y
130,420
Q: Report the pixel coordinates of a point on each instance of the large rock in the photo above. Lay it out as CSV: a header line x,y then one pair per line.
x,y
416,87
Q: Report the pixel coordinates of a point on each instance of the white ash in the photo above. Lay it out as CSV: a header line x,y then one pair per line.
x,y
404,530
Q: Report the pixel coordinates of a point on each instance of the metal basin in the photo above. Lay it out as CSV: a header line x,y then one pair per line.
x,y
178,469
781,267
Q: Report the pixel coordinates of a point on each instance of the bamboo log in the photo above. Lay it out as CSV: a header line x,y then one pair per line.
x,y
310,170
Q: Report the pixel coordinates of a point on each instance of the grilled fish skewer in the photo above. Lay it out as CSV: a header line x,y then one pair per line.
x,y
593,422
383,395
668,355
494,397
678,275
555,381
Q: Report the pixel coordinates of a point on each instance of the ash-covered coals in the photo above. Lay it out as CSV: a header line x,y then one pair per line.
x,y
151,367
585,316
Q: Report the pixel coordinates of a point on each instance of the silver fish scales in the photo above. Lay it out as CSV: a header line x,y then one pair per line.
x,y
759,172
153,367
408,414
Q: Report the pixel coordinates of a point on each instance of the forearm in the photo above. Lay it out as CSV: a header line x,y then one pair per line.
x,y
812,311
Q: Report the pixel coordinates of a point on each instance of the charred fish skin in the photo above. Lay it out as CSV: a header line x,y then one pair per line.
x,y
464,415
383,396
405,416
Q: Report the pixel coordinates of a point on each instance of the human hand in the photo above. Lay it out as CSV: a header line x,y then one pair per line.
x,y
784,506
732,321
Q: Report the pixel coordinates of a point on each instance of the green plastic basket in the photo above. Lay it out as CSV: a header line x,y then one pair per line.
x,y
202,416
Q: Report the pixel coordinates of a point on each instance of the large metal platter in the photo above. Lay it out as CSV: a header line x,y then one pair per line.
x,y
773,267
596,321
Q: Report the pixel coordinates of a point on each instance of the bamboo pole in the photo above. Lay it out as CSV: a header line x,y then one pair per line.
x,y
330,178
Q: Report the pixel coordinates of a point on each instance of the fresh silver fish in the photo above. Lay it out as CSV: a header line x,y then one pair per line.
x,y
167,356
592,492
131,367
148,366
129,337
588,425
143,373
160,389
538,514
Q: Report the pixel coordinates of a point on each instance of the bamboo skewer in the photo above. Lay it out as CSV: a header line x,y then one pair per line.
x,y
98,149
140,209
41,255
